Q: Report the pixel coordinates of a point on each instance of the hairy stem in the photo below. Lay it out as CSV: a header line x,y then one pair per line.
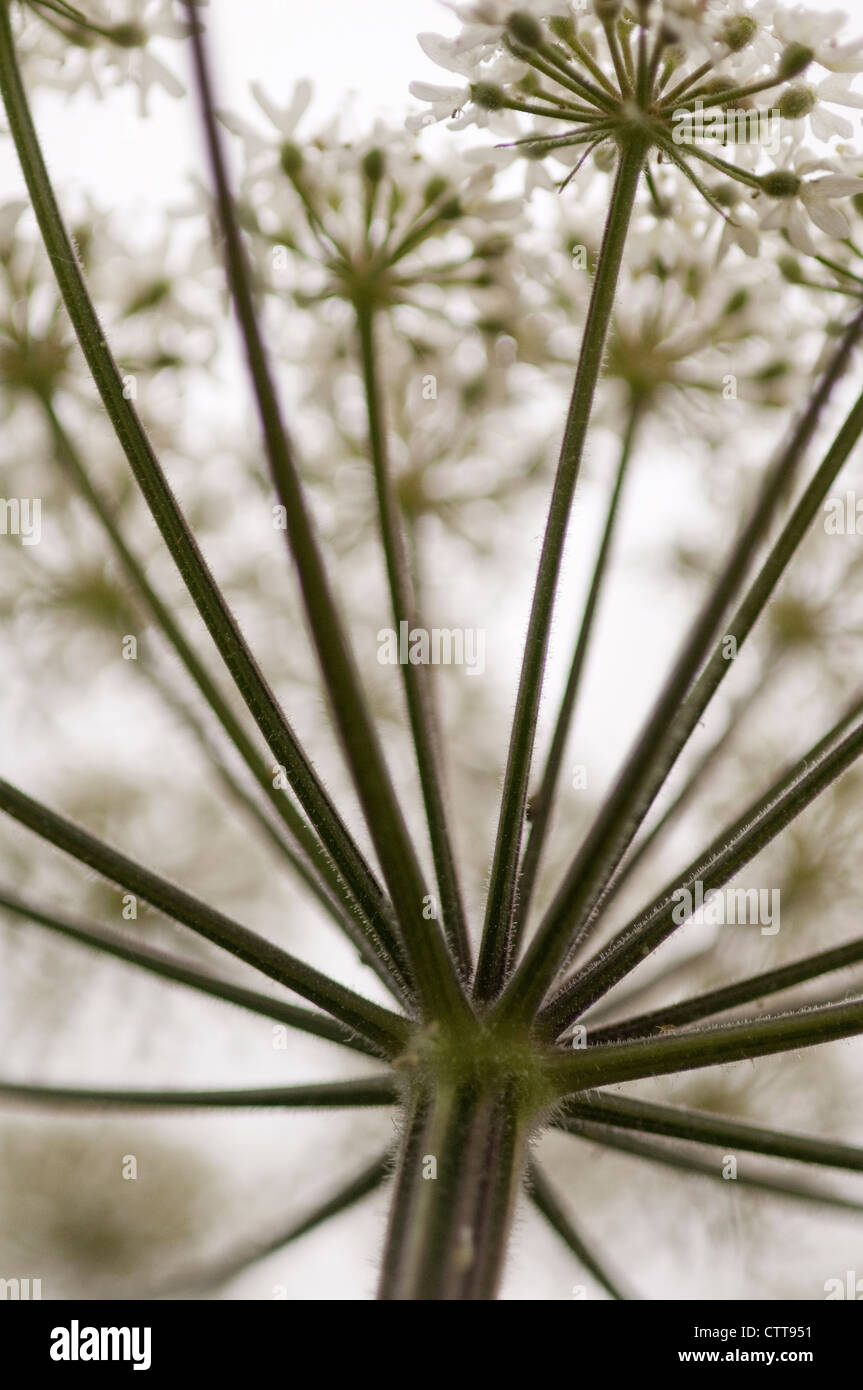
x,y
182,972
461,1162
496,940
158,495
431,969
313,864
739,843
700,1127
324,1095
549,1204
575,908
380,1026
542,803
416,680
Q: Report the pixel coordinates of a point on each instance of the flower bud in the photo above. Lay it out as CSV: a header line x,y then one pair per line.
x,y
290,159
738,31
374,165
526,30
726,193
774,371
562,28
790,269
736,302
797,102
434,189
529,84
795,60
781,183
128,35
488,96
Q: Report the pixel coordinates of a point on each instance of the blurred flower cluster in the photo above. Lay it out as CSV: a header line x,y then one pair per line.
x,y
102,44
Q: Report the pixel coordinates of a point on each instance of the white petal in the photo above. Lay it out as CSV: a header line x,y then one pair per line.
x,y
300,103
827,123
285,119
447,96
830,219
798,232
832,186
745,237
447,53
776,218
414,124
836,90
237,126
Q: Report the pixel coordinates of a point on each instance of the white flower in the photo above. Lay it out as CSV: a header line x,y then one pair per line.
x,y
816,30
109,44
798,195
558,83
331,219
443,102
679,327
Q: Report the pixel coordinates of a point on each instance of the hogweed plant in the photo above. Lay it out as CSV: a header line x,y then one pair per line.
x,y
666,212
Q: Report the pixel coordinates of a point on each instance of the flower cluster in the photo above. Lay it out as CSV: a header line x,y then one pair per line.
x,y
106,44
694,323
373,221
433,249
152,308
690,81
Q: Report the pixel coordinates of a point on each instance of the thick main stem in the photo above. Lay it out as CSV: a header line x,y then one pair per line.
x,y
463,1155
494,951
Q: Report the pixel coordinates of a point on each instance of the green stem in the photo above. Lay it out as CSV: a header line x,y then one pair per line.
x,y
324,1095
157,493
377,1025
338,901
158,963
719,1001
461,1163
698,1126
494,951
549,1204
575,909
346,1196
432,971
693,784
542,803
693,1049
554,64
683,1161
416,680
741,624
729,852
